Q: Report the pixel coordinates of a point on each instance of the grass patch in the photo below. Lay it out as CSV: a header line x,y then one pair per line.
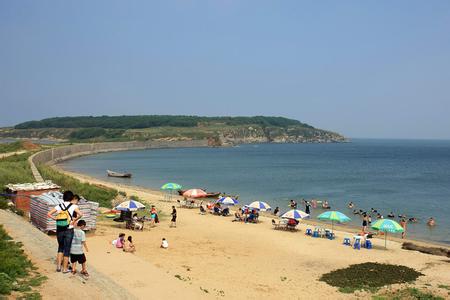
x,y
407,293
102,195
16,270
11,147
443,286
369,276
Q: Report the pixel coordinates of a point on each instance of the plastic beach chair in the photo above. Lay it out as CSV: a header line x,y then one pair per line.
x,y
357,245
368,244
308,231
315,234
346,241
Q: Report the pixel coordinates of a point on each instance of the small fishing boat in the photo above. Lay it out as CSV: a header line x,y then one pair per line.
x,y
208,195
117,174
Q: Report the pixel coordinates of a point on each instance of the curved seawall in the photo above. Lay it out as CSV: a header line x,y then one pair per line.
x,y
58,154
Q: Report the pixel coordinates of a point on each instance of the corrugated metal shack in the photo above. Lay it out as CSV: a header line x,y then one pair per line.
x,y
42,204
23,192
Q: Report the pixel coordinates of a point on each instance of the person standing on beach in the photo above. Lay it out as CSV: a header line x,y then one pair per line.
x,y
67,214
364,223
153,215
174,217
403,224
307,207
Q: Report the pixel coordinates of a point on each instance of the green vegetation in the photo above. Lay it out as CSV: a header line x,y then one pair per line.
x,y
11,147
130,122
407,293
16,270
369,276
102,195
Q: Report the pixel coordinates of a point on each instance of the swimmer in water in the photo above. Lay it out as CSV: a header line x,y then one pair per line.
x,y
431,222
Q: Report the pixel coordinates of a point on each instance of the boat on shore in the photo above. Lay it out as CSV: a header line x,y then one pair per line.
x,y
208,195
117,174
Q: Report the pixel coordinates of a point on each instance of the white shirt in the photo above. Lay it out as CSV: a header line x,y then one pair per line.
x,y
70,210
165,244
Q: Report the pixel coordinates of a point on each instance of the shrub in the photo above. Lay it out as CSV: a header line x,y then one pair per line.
x,y
369,276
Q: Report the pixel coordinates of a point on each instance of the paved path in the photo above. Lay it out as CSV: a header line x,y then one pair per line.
x,y
41,249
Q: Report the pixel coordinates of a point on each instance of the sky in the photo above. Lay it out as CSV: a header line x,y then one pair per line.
x,y
374,69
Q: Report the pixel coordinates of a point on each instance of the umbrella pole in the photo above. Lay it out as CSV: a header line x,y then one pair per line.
x,y
332,226
385,239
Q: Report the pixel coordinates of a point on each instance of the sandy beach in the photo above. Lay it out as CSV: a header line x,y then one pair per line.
x,y
211,256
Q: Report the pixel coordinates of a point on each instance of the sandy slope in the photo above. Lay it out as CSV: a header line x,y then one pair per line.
x,y
236,260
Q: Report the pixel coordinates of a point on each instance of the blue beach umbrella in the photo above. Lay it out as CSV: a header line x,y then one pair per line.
x,y
130,205
295,214
259,205
387,225
333,216
227,201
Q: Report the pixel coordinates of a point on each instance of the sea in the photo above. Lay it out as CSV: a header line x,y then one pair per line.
x,y
410,177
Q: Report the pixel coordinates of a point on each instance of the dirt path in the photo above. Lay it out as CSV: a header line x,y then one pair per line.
x,y
3,155
41,249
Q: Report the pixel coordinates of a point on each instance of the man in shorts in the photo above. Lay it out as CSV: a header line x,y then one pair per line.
x,y
76,250
64,228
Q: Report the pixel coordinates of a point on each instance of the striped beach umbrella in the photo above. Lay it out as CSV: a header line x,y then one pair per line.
x,y
170,186
259,205
194,193
333,216
387,225
295,214
227,201
130,205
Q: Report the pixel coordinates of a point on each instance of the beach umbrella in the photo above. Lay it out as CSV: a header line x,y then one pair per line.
x,y
295,214
227,201
259,205
130,205
170,186
333,216
194,193
387,225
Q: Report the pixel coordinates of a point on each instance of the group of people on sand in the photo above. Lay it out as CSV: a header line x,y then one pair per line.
x,y
70,235
367,218
246,215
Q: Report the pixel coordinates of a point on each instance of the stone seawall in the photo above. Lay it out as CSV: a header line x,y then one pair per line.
x,y
55,155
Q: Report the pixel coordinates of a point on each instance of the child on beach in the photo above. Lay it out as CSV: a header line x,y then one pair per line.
x,y
76,250
120,241
164,243
129,246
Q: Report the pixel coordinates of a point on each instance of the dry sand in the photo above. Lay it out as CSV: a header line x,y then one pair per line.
x,y
211,256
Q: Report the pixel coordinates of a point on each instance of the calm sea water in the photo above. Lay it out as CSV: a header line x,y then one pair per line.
x,y
403,176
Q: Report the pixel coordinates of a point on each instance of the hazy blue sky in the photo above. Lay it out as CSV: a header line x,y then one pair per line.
x,y
362,68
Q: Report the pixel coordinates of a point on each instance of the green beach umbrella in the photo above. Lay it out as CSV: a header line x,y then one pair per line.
x,y
387,225
171,186
333,216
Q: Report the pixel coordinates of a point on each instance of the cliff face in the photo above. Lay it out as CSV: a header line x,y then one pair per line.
x,y
249,135
219,135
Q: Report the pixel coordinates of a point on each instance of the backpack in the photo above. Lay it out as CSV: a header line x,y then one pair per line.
x,y
64,217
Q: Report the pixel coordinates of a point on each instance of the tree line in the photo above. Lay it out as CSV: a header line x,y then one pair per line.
x,y
148,121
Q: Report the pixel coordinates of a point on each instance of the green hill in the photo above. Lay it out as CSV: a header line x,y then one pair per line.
x,y
221,130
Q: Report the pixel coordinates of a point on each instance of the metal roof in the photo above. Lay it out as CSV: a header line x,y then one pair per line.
x,y
35,186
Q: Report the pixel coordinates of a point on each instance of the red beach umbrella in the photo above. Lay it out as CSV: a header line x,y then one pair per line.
x,y
195,193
